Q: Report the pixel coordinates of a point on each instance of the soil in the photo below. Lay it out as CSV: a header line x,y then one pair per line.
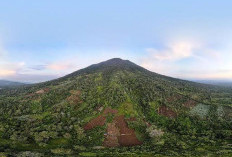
x,y
75,97
127,136
190,103
166,111
42,91
109,110
99,121
174,98
111,137
117,133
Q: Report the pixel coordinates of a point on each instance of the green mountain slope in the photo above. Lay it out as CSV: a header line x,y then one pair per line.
x,y
112,106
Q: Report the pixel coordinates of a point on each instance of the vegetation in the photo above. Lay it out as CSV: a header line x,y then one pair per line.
x,y
169,116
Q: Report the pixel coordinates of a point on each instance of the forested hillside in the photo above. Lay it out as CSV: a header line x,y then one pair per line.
x,y
4,84
116,108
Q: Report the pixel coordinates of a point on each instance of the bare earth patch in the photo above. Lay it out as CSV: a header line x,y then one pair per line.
x,y
75,97
36,95
42,91
109,110
117,133
190,103
127,136
99,121
111,137
166,111
174,98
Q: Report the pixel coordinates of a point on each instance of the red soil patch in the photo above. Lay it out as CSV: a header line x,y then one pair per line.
x,y
75,97
111,138
190,103
165,111
42,91
109,110
99,121
174,98
46,90
127,136
118,132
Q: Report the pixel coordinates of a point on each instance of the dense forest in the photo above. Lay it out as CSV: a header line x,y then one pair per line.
x,y
116,108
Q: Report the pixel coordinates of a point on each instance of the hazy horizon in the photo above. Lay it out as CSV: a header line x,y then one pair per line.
x,y
44,40
205,81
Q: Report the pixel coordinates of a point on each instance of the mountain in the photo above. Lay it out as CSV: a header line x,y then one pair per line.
x,y
116,108
5,83
223,83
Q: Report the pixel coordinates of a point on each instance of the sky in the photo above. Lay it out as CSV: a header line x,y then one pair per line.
x,y
188,39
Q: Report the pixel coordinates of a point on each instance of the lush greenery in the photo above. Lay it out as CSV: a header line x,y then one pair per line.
x,y
48,118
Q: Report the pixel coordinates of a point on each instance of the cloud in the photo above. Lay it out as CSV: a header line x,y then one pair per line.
x,y
164,60
10,69
206,74
4,73
32,78
59,66
189,60
174,51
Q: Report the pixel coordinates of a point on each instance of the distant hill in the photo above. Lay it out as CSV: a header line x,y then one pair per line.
x,y
115,108
5,83
216,82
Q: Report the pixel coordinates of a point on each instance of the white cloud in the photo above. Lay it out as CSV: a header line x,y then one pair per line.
x,y
164,60
174,51
4,73
10,69
190,60
60,66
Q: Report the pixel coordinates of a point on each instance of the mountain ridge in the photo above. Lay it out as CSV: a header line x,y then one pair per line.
x,y
119,63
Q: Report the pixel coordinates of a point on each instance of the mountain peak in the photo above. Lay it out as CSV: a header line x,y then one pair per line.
x,y
115,61
109,65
